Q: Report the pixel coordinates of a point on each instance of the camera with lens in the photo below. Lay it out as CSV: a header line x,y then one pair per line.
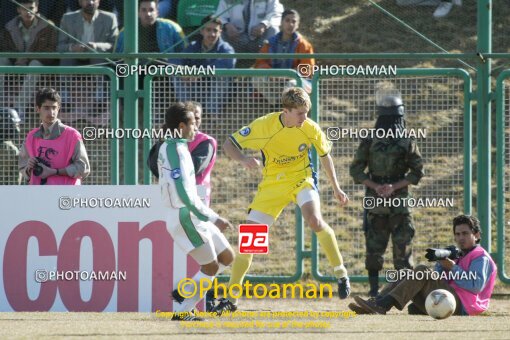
x,y
436,254
37,170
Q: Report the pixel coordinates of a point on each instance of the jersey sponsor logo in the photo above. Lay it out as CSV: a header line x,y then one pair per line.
x,y
284,160
253,239
175,173
245,131
302,147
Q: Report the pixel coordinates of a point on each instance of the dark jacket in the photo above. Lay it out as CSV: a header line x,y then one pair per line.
x,y
43,38
220,47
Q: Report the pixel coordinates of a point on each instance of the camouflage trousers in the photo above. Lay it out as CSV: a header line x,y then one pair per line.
x,y
378,229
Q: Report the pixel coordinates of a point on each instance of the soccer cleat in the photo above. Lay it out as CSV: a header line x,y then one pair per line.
x,y
210,300
344,288
186,316
177,297
225,305
183,316
370,306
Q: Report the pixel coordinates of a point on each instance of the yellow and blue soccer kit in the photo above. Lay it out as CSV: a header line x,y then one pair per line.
x,y
286,155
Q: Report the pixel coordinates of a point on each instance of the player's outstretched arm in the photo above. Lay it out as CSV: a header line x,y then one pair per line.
x,y
233,152
327,163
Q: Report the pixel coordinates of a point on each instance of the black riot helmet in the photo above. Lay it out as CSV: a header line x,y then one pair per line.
x,y
389,102
9,124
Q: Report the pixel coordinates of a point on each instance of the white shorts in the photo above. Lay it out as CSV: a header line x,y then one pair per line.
x,y
201,240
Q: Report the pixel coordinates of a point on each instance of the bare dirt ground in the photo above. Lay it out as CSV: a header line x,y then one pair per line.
x,y
397,325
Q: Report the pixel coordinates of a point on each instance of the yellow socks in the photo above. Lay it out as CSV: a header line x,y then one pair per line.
x,y
240,267
327,241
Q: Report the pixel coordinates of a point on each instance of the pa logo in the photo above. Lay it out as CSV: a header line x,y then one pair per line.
x,y
245,131
302,147
175,173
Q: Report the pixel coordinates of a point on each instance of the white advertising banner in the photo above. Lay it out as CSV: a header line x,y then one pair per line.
x,y
87,248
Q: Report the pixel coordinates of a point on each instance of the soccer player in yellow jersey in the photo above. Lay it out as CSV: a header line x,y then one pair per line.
x,y
285,139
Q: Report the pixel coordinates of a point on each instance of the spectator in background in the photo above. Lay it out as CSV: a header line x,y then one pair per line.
x,y
114,6
27,33
155,34
249,23
210,91
95,29
53,153
9,132
210,41
288,40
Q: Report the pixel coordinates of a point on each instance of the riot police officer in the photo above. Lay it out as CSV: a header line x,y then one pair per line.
x,y
393,164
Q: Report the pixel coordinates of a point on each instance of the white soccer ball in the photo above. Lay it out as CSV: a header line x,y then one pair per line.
x,y
440,304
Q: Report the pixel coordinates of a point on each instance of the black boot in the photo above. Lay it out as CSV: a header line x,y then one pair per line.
x,y
373,279
210,300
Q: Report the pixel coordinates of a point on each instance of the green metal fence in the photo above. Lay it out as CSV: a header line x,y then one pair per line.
x,y
436,99
437,102
503,173
345,101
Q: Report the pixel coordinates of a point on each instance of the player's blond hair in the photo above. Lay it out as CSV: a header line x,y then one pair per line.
x,y
296,98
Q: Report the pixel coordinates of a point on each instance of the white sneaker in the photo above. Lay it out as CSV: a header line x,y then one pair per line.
x,y
443,9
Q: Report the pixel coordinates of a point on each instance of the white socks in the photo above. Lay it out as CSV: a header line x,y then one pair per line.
x,y
189,303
